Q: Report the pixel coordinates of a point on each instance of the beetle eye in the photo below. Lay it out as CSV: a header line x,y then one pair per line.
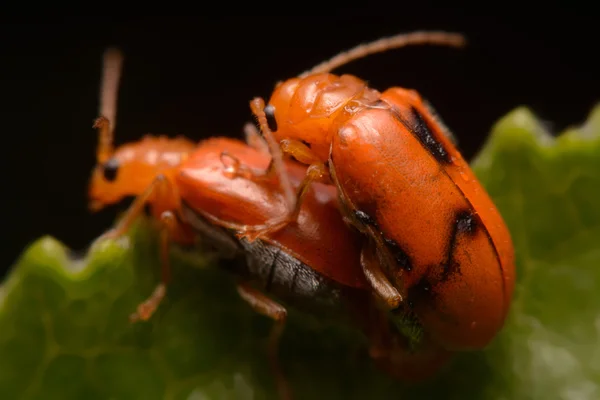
x,y
270,114
110,169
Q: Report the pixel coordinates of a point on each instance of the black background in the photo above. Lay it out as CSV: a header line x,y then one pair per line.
x,y
195,76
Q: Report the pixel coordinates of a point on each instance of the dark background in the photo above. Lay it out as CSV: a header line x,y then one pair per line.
x,y
195,76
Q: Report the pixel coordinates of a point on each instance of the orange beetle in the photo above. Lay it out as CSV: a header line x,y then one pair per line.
x,y
312,264
164,173
437,245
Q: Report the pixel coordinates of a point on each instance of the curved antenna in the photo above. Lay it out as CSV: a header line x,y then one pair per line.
x,y
388,43
109,89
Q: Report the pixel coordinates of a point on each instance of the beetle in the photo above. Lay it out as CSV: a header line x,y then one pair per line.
x,y
444,249
312,264
163,172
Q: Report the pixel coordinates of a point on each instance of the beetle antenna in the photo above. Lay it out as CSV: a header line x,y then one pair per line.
x,y
109,88
388,43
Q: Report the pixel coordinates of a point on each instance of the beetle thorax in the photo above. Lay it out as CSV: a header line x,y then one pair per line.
x,y
309,109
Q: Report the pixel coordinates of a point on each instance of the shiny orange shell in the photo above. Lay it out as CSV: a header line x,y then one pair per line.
x,y
455,262
320,238
307,109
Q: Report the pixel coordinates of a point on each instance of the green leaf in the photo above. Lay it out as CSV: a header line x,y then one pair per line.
x,y
64,330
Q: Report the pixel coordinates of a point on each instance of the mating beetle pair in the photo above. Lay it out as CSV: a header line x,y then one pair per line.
x,y
437,246
395,209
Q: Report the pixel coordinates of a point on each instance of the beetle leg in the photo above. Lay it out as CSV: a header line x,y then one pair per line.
x,y
314,173
233,168
160,185
299,151
169,228
254,140
269,308
379,282
302,153
158,189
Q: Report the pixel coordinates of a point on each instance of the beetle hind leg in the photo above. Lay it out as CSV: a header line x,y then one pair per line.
x,y
269,308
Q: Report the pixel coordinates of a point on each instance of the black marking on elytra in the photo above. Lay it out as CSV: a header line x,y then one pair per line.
x,y
464,223
420,292
364,218
441,124
427,137
270,114
272,268
402,259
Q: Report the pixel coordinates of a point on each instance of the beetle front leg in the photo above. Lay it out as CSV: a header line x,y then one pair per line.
x,y
316,172
269,308
158,190
303,154
169,228
160,184
380,284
